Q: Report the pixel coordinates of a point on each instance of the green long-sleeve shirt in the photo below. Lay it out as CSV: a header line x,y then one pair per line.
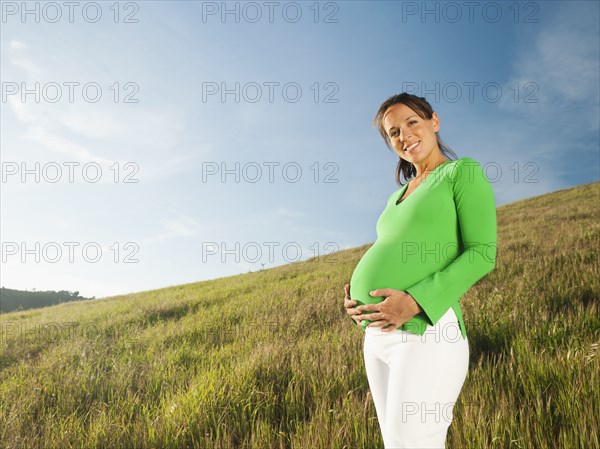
x,y
435,244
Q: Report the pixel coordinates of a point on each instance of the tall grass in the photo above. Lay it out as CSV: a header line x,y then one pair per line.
x,y
270,360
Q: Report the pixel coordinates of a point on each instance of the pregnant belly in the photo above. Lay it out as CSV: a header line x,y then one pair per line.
x,y
382,266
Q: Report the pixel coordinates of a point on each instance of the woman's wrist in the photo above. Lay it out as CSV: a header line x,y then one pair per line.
x,y
418,308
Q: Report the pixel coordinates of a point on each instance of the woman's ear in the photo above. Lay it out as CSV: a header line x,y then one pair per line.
x,y
436,121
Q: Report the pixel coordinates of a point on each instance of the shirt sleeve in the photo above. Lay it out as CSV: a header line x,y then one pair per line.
x,y
476,214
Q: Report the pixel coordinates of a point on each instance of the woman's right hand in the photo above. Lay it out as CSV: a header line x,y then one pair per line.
x,y
349,304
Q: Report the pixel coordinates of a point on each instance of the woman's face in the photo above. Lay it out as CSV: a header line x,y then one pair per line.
x,y
412,137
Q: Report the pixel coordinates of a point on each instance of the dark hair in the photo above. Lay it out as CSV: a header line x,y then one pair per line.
x,y
422,107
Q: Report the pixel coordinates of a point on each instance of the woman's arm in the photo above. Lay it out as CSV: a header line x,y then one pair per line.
x,y
476,212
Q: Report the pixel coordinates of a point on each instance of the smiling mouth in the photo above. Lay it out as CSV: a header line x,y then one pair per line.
x,y
412,146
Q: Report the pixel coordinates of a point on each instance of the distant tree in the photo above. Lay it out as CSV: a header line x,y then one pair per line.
x,y
13,300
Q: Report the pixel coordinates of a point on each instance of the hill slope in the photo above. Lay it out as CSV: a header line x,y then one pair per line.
x,y
270,360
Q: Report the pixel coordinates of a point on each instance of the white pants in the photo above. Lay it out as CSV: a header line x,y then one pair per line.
x,y
415,381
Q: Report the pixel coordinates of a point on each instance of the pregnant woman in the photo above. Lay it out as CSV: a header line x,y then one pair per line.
x,y
436,237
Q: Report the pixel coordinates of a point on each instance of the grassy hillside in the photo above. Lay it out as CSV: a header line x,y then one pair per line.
x,y
270,360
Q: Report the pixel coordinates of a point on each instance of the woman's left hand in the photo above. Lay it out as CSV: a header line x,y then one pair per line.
x,y
397,308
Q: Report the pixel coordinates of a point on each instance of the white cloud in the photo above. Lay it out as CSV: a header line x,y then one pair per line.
x,y
178,225
18,45
17,57
59,144
562,63
101,133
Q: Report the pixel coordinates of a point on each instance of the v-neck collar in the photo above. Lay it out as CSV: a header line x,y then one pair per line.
x,y
398,202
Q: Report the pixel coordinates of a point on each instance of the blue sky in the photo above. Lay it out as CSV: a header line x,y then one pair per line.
x,y
516,86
